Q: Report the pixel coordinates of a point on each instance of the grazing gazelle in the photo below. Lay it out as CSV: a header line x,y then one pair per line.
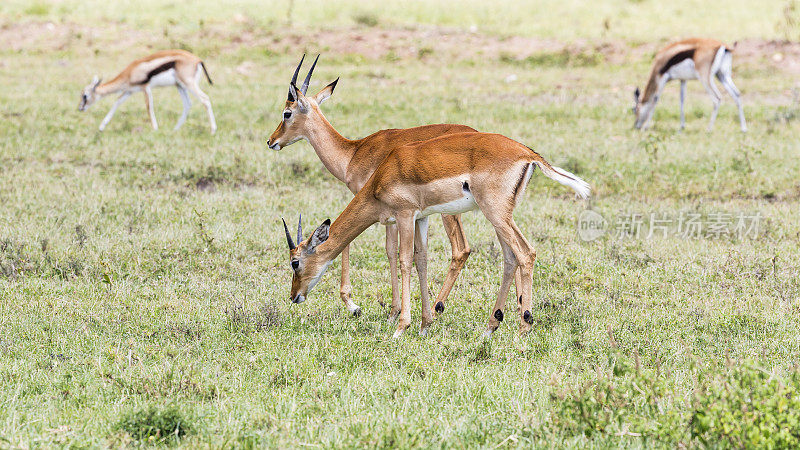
x,y
450,174
177,68
352,162
690,59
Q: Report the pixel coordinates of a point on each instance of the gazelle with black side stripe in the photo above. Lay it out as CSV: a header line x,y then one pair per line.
x,y
690,59
177,68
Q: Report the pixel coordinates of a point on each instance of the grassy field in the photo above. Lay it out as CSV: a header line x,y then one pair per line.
x,y
144,274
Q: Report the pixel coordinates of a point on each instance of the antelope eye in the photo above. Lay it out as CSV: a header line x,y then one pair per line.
x,y
287,114
295,264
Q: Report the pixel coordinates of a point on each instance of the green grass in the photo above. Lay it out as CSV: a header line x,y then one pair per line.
x,y
144,275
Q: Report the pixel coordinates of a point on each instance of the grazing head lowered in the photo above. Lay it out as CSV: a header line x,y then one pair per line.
x,y
299,110
642,109
89,94
307,264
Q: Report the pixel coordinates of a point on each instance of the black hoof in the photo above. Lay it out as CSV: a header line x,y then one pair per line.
x,y
527,317
519,300
357,313
498,314
439,307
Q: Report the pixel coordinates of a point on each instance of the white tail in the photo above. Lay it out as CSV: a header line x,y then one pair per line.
x,y
566,178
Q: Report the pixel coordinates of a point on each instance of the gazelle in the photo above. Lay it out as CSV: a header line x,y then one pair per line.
x,y
353,162
177,68
450,174
690,59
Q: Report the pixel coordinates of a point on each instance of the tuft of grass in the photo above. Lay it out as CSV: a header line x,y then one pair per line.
x,y
366,19
160,424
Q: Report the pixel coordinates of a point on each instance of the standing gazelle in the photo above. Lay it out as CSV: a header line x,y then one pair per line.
x,y
690,59
450,174
177,68
353,162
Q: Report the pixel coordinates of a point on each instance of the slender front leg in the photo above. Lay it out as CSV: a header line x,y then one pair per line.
x,y
124,96
187,104
459,253
148,101
405,225
391,253
421,261
344,289
683,96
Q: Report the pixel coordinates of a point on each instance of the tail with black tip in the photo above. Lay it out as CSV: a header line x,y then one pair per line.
x,y
206,72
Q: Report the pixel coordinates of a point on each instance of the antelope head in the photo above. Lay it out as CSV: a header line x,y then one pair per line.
x,y
307,264
299,111
89,94
643,108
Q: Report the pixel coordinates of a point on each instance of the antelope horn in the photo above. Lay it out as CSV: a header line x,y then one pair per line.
x,y
300,229
288,237
296,72
304,87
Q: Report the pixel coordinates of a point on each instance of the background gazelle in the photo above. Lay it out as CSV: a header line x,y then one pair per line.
x,y
690,59
353,162
177,68
450,174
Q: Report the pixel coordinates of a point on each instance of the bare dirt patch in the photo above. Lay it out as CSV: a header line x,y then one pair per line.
x,y
424,43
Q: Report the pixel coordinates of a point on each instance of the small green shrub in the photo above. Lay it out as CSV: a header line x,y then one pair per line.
x,y
152,422
748,408
625,400
366,19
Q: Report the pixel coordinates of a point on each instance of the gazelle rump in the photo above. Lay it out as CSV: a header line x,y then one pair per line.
x,y
177,68
353,162
690,59
448,174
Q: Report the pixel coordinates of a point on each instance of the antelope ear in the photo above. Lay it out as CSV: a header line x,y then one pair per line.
x,y
302,101
96,82
320,235
326,92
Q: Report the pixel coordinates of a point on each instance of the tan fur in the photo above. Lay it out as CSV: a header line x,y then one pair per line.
x,y
353,162
707,56
704,51
419,175
133,78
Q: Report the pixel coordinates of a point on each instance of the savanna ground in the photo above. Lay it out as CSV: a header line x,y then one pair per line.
x,y
144,274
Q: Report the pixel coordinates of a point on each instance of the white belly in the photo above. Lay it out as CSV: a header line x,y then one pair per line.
x,y
165,78
461,205
684,70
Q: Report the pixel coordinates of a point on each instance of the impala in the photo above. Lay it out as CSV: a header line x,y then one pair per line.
x,y
449,174
700,59
353,162
177,68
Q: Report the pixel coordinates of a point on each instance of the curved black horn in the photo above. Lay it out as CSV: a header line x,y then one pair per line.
x,y
288,237
304,87
294,77
300,229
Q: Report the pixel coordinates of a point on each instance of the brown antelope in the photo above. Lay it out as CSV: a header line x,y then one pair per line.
x,y
450,174
701,59
177,68
353,162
